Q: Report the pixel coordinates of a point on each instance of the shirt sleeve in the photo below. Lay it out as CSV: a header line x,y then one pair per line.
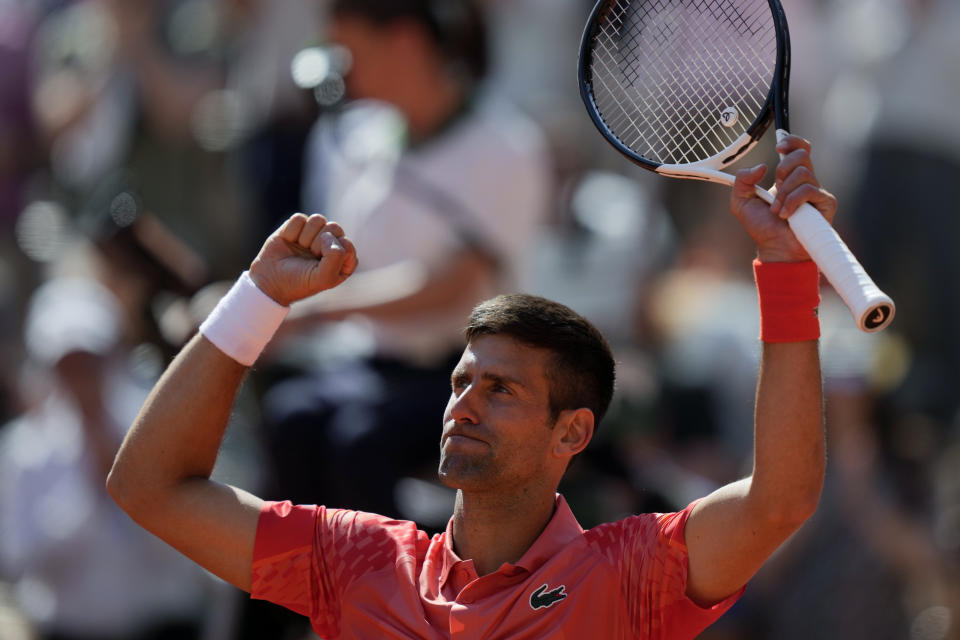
x,y
283,556
306,557
654,578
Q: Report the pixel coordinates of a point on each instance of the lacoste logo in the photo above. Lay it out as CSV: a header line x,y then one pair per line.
x,y
541,598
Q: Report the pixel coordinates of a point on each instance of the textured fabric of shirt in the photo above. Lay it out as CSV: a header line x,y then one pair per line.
x,y
364,576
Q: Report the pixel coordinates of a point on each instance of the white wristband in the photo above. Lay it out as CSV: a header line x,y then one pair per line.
x,y
244,321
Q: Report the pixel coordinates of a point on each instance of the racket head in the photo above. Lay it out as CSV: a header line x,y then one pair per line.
x,y
681,85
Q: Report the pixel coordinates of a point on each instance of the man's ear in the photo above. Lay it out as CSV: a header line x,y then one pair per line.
x,y
573,432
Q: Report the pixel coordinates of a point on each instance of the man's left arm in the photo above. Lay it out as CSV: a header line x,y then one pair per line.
x,y
732,532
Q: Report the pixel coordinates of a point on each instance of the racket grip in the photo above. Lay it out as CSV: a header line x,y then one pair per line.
x,y
872,309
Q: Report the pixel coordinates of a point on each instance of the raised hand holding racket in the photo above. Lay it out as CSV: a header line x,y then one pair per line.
x,y
796,185
685,88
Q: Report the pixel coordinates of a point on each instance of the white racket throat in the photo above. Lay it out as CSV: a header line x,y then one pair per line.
x,y
710,167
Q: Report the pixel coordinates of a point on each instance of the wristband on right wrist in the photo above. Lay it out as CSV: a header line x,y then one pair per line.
x,y
244,321
789,294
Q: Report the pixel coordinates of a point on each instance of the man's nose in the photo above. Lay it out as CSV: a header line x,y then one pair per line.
x,y
462,406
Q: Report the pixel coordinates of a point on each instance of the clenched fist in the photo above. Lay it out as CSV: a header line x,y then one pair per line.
x,y
305,256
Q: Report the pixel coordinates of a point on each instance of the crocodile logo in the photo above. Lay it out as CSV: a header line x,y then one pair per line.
x,y
542,599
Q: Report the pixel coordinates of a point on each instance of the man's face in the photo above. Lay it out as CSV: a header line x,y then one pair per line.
x,y
497,430
377,59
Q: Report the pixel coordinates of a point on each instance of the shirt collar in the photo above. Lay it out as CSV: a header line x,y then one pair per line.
x,y
562,529
450,557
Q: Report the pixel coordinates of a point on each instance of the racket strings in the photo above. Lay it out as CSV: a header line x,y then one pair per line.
x,y
663,72
672,96
675,94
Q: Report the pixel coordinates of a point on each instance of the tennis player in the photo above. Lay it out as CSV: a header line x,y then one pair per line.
x,y
526,397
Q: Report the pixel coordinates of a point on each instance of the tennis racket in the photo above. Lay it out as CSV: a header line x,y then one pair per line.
x,y
685,88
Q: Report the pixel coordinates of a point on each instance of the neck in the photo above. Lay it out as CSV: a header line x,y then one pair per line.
x,y
494,529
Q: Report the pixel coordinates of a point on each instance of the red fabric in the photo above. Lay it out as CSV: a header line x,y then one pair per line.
x,y
789,294
358,575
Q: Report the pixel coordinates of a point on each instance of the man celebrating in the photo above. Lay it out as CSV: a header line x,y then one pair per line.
x,y
526,396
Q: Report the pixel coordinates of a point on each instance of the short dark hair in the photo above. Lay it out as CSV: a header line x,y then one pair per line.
x,y
582,374
457,27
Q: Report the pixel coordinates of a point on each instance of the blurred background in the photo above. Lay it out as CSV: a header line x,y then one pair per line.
x,y
147,148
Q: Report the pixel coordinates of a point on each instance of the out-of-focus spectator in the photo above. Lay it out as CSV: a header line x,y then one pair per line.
x,y
214,75
80,568
904,221
175,104
19,153
903,225
443,187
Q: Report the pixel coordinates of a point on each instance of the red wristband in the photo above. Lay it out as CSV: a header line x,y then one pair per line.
x,y
789,294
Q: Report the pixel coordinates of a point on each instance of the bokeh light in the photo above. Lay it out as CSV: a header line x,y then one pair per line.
x,y
42,230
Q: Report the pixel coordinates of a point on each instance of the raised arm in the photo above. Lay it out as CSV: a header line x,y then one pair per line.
x,y
161,475
732,532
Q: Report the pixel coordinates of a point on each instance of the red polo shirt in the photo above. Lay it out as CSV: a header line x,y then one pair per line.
x,y
359,575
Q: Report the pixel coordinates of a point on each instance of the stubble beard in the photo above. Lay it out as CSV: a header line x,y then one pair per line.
x,y
459,471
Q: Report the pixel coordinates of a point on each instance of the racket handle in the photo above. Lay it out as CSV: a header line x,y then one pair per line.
x,y
872,309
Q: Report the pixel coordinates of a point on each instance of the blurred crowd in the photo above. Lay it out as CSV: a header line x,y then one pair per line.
x,y
147,147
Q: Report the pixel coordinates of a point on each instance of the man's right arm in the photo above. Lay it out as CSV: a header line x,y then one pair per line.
x,y
161,475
